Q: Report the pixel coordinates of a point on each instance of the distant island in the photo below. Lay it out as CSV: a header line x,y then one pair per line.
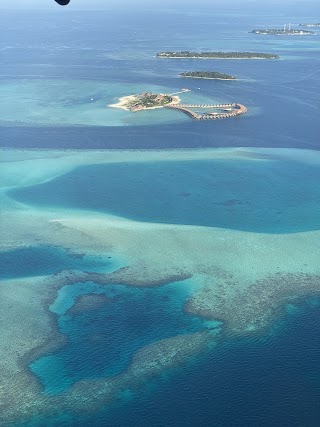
x,y
217,55
283,32
146,100
317,24
207,75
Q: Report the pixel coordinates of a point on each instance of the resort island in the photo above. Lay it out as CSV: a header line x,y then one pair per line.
x,y
211,75
146,101
216,55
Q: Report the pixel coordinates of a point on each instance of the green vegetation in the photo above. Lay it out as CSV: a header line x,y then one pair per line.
x,y
207,75
148,100
217,55
151,99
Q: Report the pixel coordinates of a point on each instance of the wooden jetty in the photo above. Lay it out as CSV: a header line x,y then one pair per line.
x,y
231,110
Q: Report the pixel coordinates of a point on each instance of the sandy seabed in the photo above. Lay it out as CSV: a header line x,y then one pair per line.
x,y
241,278
122,102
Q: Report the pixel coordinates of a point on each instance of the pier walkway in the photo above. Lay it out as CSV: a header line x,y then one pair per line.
x,y
230,110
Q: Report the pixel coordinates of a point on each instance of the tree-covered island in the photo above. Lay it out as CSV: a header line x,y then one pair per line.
x,y
216,55
146,100
207,75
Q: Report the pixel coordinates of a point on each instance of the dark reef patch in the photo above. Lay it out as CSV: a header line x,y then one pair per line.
x,y
253,308
88,302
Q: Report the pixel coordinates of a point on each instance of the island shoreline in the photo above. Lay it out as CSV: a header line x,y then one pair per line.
x,y
206,78
209,57
123,103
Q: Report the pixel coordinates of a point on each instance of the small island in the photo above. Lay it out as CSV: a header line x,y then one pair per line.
x,y
216,55
211,75
149,100
316,24
146,101
282,32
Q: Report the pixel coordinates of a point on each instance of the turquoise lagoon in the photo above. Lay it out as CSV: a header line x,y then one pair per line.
x,y
132,317
268,195
59,102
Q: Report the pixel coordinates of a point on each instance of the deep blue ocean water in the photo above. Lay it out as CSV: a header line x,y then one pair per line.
x,y
269,380
273,381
